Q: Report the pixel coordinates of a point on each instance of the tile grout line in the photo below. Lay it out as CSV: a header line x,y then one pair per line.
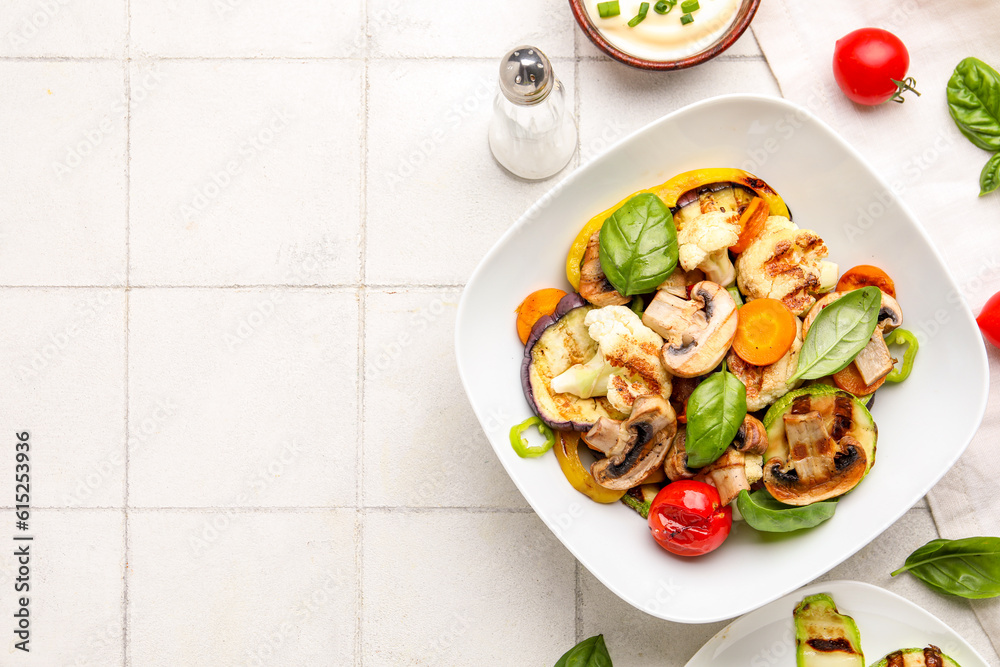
x,y
278,509
344,287
359,517
128,233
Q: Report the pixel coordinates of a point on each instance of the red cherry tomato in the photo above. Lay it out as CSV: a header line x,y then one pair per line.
x,y
870,66
989,321
686,518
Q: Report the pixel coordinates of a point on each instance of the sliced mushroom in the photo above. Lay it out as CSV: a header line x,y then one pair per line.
x,y
697,331
677,283
752,436
594,285
675,463
643,441
873,361
727,474
890,314
603,435
818,466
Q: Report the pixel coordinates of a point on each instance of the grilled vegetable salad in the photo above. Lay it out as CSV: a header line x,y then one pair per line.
x,y
707,339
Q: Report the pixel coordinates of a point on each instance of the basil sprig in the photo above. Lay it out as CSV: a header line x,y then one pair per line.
x,y
715,410
588,653
968,568
974,103
838,333
762,512
638,245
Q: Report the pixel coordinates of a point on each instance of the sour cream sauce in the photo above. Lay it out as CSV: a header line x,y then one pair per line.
x,y
662,36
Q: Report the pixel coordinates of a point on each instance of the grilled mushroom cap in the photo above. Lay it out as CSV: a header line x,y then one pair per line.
x,y
752,436
727,474
594,285
675,463
698,331
643,441
818,466
603,435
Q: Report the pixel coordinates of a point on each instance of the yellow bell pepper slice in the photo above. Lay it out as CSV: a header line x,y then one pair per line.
x,y
567,451
670,192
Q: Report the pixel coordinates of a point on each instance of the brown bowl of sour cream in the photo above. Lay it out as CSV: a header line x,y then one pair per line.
x,y
669,41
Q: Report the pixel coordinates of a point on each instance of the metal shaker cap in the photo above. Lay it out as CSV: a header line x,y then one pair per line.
x,y
526,75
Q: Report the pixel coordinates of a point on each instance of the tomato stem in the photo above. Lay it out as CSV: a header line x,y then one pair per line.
x,y
902,86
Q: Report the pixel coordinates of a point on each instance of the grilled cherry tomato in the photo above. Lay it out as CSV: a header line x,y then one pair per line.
x,y
864,275
870,66
687,519
989,320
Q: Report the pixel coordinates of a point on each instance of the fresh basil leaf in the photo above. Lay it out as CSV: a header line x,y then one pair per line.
x,y
968,568
588,653
638,245
989,179
974,102
762,512
838,333
715,410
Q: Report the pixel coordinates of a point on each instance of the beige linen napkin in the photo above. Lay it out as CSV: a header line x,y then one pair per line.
x,y
931,166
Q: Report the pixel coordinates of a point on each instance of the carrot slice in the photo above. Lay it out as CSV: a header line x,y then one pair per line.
x,y
864,275
536,306
751,223
849,379
765,331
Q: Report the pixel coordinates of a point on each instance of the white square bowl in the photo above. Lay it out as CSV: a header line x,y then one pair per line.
x,y
924,423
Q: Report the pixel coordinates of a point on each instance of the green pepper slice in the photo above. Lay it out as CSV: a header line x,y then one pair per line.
x,y
520,443
902,337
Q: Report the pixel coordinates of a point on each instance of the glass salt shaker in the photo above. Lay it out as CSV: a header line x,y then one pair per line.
x,y
532,133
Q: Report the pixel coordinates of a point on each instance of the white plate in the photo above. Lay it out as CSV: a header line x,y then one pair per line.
x,y
924,423
886,621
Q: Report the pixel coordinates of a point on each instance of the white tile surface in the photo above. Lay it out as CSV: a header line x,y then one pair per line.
x,y
616,100
62,180
412,387
242,398
242,589
465,589
94,29
246,173
77,564
437,200
64,372
291,28
429,29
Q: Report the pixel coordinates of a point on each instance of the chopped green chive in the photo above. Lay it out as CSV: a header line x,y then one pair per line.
x,y
689,6
608,9
664,6
638,18
687,18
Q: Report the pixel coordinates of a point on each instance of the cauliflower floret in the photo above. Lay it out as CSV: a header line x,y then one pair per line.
x,y
703,243
766,384
627,364
784,263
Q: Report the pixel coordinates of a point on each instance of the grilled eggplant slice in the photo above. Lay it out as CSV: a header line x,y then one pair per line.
x,y
917,657
557,342
824,637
